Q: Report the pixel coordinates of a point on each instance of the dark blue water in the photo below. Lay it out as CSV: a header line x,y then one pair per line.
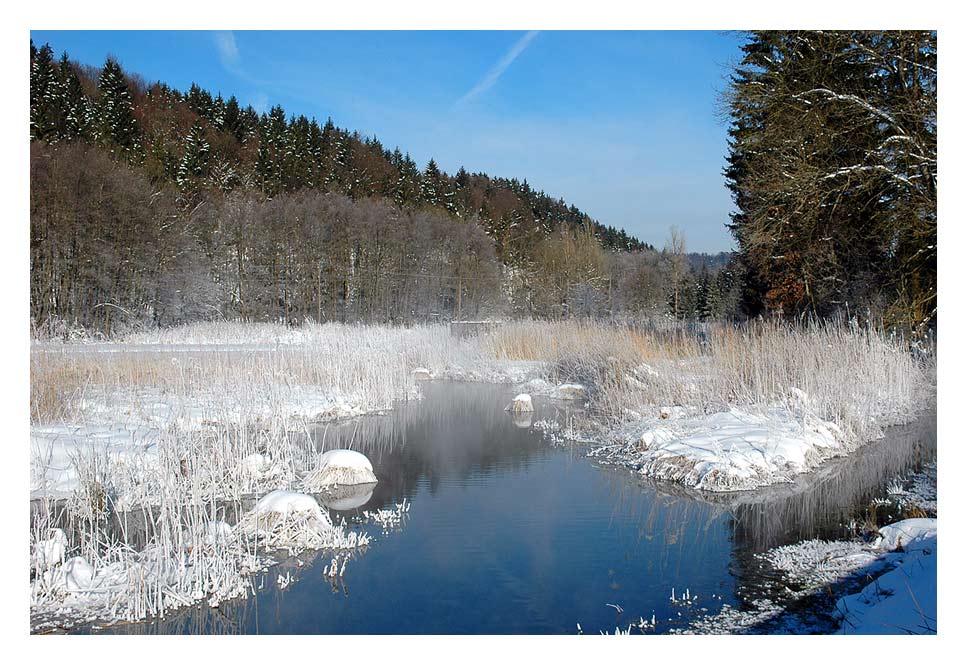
x,y
508,534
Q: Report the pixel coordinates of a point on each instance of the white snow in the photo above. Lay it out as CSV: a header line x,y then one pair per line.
x,y
218,532
520,404
340,467
56,451
50,552
902,534
283,503
422,374
730,450
904,599
571,391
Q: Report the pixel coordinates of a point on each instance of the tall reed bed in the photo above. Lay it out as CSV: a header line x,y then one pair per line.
x,y
858,377
222,394
233,365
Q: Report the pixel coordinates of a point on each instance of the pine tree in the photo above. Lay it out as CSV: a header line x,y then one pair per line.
x,y
116,127
77,117
194,163
832,167
45,98
434,189
232,122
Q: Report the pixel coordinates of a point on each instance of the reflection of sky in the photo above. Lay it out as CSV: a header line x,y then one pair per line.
x,y
508,534
624,125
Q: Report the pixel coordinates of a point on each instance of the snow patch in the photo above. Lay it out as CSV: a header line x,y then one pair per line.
x,y
729,450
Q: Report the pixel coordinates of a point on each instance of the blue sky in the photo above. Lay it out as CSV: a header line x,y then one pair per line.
x,y
622,124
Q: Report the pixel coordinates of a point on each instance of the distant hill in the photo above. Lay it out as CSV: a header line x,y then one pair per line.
x,y
712,262
205,142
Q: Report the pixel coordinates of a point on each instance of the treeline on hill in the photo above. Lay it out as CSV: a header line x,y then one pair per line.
x,y
833,168
153,206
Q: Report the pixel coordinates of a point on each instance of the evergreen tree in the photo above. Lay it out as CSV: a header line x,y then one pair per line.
x,y
432,188
45,97
194,162
116,128
833,170
233,123
77,116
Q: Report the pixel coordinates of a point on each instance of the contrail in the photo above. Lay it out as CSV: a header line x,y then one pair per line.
x,y
487,81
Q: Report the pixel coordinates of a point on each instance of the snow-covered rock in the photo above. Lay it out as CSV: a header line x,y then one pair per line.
x,y
283,503
340,467
294,521
520,404
79,574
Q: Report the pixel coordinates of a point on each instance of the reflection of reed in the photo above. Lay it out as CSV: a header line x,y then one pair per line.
x,y
815,505
443,406
819,503
669,530
457,430
230,618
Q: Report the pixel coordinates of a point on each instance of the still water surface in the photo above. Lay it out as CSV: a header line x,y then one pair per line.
x,y
509,534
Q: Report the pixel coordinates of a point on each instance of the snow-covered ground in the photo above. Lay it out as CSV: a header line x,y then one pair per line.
x,y
904,599
738,449
158,418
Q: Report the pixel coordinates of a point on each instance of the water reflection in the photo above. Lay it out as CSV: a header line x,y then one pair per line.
x,y
508,534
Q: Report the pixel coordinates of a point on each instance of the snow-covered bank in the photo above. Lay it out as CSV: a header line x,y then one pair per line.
x,y
737,449
904,599
117,428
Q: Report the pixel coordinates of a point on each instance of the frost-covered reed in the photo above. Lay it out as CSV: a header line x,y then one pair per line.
x,y
236,368
228,406
858,377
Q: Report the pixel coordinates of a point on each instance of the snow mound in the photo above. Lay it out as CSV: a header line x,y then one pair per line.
x,y
76,575
218,533
520,404
294,521
732,450
904,599
907,533
340,467
283,503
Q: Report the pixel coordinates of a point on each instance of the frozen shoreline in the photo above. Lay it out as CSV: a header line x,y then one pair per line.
x,y
163,429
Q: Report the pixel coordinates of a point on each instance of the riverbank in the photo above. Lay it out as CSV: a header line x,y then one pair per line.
x,y
172,421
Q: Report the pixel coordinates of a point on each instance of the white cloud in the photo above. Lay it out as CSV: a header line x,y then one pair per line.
x,y
227,48
499,68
